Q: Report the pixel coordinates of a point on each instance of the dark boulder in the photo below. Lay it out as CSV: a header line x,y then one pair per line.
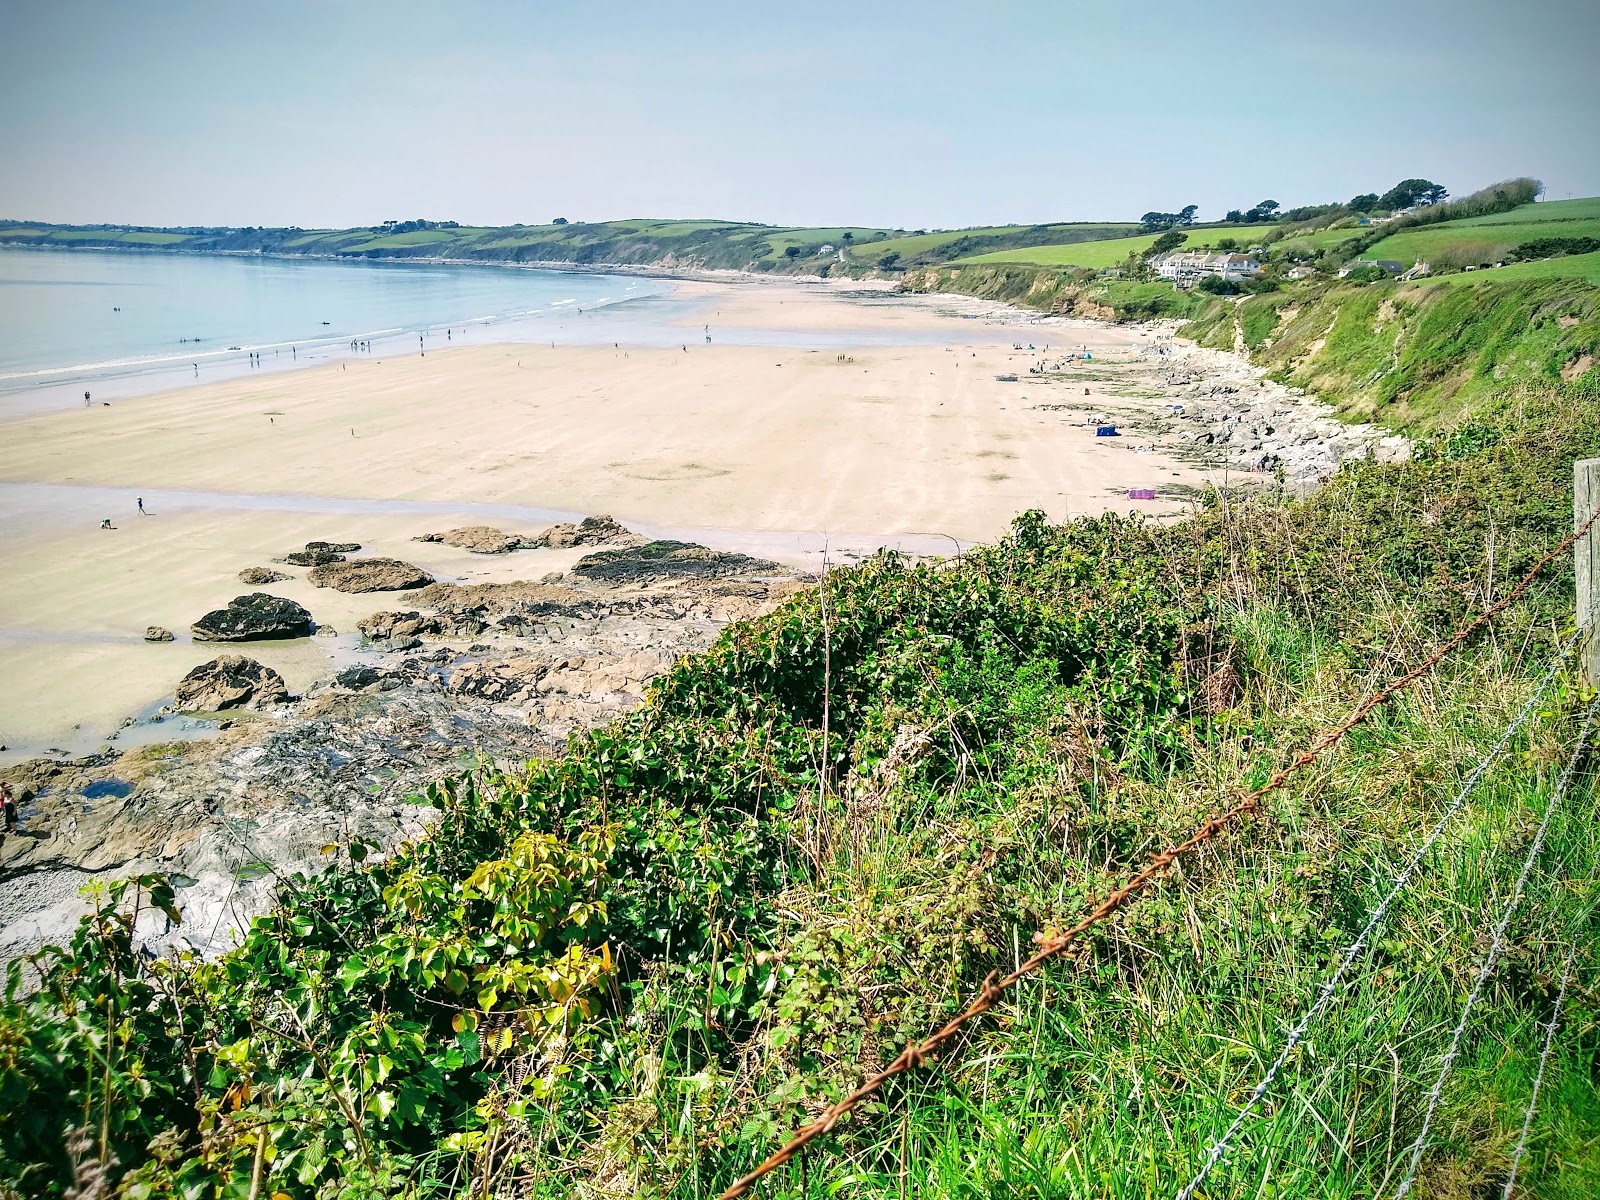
x,y
366,679
668,560
256,617
312,558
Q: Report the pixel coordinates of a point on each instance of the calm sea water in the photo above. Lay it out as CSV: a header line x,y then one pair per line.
x,y
122,323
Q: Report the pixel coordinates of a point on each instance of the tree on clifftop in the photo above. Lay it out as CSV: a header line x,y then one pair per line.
x,y
1411,192
1155,222
1170,240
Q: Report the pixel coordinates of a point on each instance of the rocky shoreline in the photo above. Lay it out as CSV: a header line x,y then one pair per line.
x,y
461,673
1215,410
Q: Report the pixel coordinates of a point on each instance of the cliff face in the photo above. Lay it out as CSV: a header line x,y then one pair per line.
x,y
1409,356
1048,289
1415,356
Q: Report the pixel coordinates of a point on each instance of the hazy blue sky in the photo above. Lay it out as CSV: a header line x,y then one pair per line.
x,y
925,114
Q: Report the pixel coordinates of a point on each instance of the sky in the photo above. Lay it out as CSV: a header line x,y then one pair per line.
x,y
913,115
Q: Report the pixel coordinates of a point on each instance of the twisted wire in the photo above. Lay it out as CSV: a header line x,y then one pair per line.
x,y
1297,1034
1491,957
1538,1078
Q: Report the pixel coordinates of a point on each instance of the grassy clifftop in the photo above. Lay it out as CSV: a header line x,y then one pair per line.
x,y
1415,357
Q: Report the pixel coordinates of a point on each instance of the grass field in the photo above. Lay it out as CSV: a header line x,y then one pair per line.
x,y
1494,239
923,247
1586,209
1571,266
1110,252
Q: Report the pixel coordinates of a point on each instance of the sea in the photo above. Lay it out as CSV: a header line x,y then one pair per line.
x,y
116,324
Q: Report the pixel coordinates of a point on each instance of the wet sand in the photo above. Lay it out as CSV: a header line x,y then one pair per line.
x,y
909,438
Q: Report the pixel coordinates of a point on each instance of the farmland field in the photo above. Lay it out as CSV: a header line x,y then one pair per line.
x,y
1111,252
1496,238
1571,266
1586,209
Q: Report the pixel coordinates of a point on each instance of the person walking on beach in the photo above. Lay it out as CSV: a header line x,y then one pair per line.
x,y
142,512
86,399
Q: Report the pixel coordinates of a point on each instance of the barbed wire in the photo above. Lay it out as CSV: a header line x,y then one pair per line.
x,y
1298,1033
1492,955
1538,1078
992,989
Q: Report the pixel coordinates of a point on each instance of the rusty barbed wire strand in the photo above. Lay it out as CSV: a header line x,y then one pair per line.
x,y
993,989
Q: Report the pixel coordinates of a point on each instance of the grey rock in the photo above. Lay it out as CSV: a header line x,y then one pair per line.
x,y
370,575
261,576
231,681
481,539
591,531
667,559
155,633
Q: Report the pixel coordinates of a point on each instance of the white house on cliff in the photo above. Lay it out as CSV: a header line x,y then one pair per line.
x,y
1187,267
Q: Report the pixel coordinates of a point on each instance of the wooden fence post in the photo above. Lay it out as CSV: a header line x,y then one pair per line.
x,y
1585,502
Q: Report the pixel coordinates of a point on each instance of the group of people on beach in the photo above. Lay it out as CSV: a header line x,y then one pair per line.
x,y
139,500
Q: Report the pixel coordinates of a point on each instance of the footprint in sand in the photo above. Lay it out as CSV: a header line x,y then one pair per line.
x,y
665,472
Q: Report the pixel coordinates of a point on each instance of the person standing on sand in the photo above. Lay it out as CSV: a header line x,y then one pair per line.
x,y
8,808
86,399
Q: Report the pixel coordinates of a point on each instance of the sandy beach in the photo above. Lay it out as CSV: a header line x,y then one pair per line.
x,y
905,439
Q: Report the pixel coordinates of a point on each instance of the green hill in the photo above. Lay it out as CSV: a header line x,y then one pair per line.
x,y
706,244
1102,254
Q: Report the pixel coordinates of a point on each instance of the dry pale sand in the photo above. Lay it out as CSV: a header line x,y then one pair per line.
x,y
894,440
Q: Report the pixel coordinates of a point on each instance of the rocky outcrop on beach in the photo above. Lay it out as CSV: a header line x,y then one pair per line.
x,y
155,633
667,560
500,671
318,554
369,575
591,531
253,618
481,539
231,681
261,576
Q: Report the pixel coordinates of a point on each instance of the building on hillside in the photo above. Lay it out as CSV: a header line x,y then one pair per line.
x,y
1419,271
1301,271
1187,267
1387,265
